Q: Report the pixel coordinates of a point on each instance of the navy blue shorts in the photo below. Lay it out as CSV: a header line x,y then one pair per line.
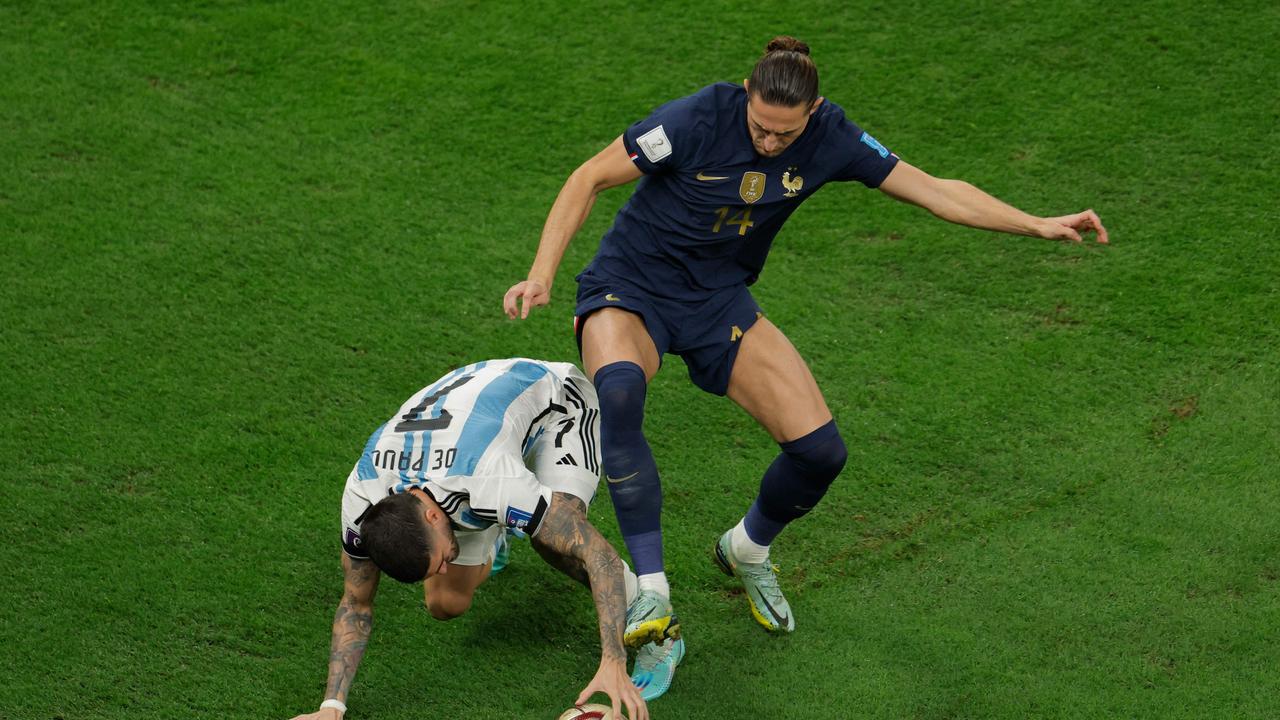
x,y
705,331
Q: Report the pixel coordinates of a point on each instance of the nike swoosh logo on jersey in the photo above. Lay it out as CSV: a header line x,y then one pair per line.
x,y
704,177
611,297
621,479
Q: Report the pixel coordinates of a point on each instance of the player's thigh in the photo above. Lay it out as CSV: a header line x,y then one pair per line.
x,y
773,384
612,335
566,458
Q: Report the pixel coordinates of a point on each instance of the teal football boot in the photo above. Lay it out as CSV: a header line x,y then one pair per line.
x,y
650,619
655,667
654,629
768,606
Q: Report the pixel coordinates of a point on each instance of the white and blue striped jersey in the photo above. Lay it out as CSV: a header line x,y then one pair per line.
x,y
489,442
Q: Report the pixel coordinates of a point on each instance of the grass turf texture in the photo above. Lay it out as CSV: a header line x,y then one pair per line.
x,y
236,236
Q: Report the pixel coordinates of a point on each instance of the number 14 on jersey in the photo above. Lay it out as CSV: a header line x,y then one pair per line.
x,y
742,219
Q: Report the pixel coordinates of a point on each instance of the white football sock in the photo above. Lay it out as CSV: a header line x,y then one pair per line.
x,y
629,581
744,548
657,582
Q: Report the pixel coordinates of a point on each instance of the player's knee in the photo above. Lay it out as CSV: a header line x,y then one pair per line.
x,y
621,388
800,477
809,465
820,455
445,605
827,460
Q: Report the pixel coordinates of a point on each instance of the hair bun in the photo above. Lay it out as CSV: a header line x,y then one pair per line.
x,y
788,43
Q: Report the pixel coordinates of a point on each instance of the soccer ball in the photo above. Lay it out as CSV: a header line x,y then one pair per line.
x,y
590,711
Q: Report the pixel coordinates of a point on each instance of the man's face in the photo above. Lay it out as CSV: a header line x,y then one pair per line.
x,y
773,127
444,544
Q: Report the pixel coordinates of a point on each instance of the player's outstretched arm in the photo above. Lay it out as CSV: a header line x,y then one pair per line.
x,y
610,167
959,202
352,625
573,545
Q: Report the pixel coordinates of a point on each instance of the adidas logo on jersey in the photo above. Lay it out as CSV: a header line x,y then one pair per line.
x,y
567,460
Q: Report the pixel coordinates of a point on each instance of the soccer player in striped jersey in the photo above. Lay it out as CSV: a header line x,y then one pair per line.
x,y
494,447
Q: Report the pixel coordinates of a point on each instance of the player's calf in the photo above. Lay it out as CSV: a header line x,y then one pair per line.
x,y
630,471
795,483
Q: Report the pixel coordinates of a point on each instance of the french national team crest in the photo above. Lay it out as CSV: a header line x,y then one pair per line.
x,y
793,183
752,187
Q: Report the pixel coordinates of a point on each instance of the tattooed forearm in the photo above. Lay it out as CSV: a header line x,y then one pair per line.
x,y
571,566
352,625
351,629
571,544
610,594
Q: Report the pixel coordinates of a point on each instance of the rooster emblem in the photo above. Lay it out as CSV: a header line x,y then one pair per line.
x,y
793,185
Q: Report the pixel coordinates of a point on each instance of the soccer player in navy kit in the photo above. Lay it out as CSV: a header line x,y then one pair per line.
x,y
720,172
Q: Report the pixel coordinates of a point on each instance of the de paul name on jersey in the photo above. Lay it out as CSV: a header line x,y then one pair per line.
x,y
488,442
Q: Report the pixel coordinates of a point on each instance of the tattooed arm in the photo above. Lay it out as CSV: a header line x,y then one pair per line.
x,y
570,543
351,627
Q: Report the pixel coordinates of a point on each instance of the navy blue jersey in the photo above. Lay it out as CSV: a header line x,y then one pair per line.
x,y
705,214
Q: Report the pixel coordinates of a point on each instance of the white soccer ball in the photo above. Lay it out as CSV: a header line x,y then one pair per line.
x,y
590,711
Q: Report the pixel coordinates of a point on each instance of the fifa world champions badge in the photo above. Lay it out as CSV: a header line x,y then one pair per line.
x,y
752,187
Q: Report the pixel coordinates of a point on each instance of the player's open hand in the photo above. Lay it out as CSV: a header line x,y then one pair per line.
x,y
321,714
529,294
1069,227
612,680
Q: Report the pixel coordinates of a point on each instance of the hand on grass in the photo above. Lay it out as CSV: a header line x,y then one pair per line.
x,y
612,680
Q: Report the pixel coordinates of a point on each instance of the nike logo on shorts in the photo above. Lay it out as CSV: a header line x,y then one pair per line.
x,y
621,479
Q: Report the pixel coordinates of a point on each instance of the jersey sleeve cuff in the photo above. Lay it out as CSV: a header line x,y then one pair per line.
x,y
637,157
887,167
351,545
531,523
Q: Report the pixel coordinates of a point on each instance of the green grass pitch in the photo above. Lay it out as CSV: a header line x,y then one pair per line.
x,y
236,235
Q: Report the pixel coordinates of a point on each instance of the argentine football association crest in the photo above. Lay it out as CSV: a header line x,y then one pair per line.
x,y
752,187
793,183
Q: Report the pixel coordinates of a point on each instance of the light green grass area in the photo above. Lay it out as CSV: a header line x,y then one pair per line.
x,y
235,236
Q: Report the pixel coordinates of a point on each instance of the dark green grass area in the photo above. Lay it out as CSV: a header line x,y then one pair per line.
x,y
235,236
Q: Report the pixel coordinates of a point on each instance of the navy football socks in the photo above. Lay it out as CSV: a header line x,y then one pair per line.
x,y
795,482
629,468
